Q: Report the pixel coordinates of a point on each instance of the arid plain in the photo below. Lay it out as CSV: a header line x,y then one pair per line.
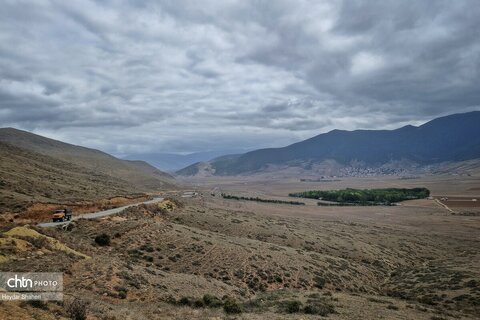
x,y
416,260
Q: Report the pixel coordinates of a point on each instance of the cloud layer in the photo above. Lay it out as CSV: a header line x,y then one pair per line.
x,y
185,76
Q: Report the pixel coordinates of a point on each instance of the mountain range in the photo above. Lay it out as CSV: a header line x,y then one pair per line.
x,y
451,138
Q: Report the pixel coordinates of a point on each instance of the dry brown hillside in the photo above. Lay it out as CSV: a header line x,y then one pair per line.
x,y
38,169
137,172
210,258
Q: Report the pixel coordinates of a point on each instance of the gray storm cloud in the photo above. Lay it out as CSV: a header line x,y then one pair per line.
x,y
185,76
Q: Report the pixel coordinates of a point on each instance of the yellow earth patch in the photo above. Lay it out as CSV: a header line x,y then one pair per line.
x,y
12,240
167,205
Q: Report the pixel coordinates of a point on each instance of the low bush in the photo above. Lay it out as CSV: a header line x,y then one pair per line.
x,y
102,239
293,306
121,292
185,301
77,310
231,306
319,308
319,282
37,304
212,301
198,303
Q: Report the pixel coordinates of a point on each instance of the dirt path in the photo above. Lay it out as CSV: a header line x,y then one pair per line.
x,y
444,206
99,214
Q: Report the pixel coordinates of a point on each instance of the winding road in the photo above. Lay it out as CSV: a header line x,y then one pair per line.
x,y
96,215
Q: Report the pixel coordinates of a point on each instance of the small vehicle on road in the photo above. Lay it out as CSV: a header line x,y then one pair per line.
x,y
61,215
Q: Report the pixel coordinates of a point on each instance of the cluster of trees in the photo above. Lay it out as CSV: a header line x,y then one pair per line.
x,y
351,196
227,196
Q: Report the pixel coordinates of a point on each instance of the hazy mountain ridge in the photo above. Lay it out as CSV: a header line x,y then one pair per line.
x,y
171,162
446,139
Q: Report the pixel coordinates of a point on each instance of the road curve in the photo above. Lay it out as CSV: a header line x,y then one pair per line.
x,y
95,215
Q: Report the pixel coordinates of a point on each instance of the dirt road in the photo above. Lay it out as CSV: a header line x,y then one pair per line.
x,y
99,214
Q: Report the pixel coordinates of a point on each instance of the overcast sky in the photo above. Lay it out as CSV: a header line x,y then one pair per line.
x,y
185,76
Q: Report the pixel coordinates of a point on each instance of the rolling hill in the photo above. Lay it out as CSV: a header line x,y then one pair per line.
x,y
35,168
447,139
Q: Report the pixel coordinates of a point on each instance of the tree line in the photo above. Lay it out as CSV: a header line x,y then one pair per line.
x,y
227,196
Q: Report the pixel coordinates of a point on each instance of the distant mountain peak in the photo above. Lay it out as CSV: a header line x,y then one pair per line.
x,y
450,138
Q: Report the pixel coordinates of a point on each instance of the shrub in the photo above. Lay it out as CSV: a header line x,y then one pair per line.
x,y
198,303
293,306
321,309
147,247
121,292
102,239
319,282
38,304
39,243
231,306
77,310
185,301
426,299
471,284
212,301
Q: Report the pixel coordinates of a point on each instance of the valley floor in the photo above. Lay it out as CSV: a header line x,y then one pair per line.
x,y
171,260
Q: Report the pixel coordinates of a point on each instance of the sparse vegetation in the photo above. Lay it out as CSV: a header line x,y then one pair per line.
x,y
215,258
274,301
229,304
